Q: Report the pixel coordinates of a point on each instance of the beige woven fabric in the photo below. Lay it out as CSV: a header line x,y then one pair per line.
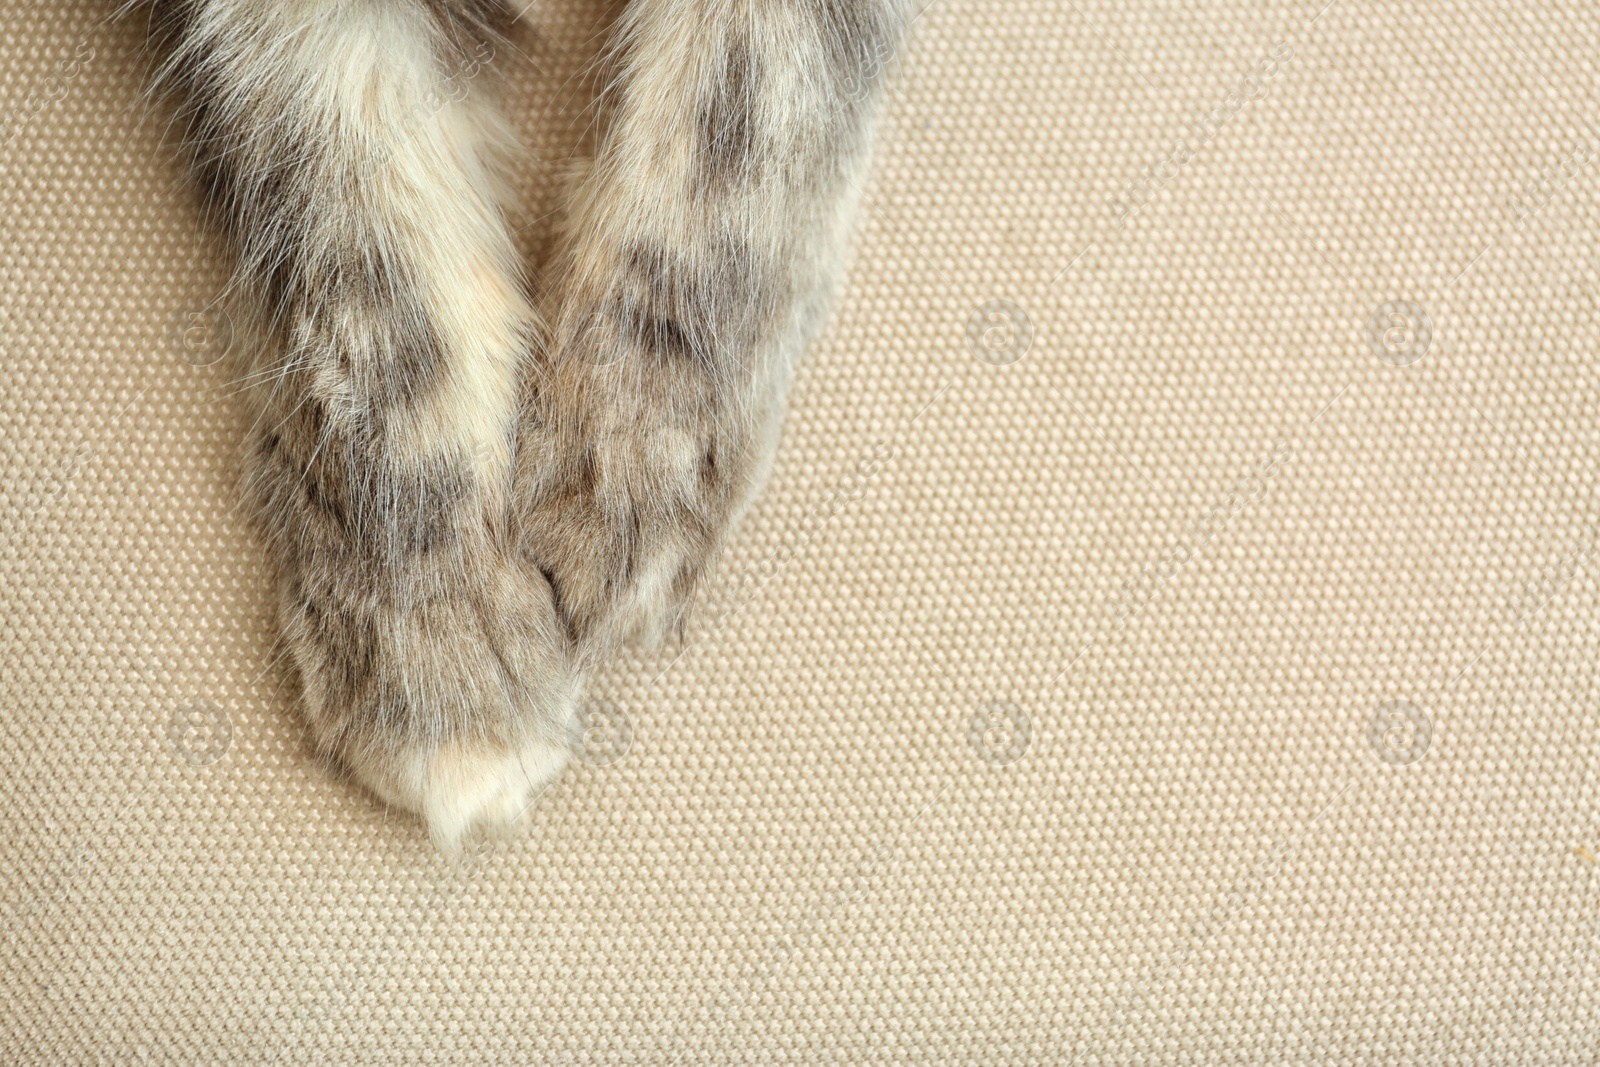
x,y
1205,674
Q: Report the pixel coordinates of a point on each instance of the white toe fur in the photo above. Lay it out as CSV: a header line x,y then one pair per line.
x,y
465,789
470,791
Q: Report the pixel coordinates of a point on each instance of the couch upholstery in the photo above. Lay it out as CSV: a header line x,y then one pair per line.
x,y
1169,635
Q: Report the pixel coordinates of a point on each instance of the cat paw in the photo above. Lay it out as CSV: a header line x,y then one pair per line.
x,y
458,708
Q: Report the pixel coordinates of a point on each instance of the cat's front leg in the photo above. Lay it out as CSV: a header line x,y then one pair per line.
x,y
701,253
348,159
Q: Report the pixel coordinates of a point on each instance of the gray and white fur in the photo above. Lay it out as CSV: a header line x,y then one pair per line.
x,y
470,506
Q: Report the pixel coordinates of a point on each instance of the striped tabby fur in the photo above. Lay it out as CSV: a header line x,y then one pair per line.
x,y
468,509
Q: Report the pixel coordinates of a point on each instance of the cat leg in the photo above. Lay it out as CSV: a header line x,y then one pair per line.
x,y
700,253
350,160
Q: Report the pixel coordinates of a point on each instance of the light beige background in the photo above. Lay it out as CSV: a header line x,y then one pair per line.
x,y
1207,852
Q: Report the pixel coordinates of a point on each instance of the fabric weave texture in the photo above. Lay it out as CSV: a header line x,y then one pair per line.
x,y
1169,635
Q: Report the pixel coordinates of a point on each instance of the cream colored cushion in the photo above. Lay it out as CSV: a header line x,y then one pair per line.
x,y
1212,682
